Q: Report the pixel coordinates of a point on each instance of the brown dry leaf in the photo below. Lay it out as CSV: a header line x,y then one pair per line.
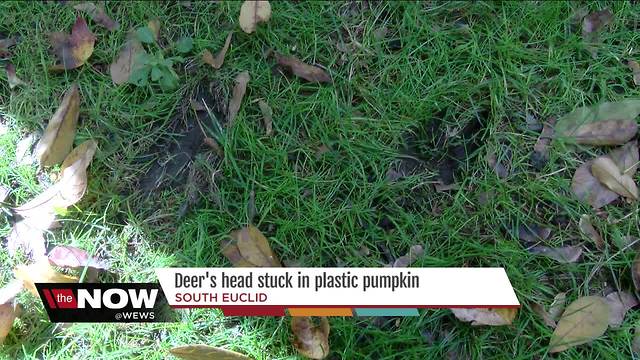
x,y
298,68
608,173
213,144
587,229
205,352
239,90
626,158
414,252
498,167
250,248
11,290
267,117
40,272
635,68
588,189
73,50
546,317
596,21
493,317
73,257
122,68
252,13
154,25
310,340
98,15
533,233
540,155
218,60
619,303
557,306
609,123
5,44
8,313
584,320
635,271
57,140
566,254
12,78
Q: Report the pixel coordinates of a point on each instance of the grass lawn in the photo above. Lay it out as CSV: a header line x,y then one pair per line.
x,y
400,100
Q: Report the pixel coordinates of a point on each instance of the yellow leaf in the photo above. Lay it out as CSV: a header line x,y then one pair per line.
x,y
218,60
40,272
239,90
206,352
608,173
73,50
584,320
253,247
252,13
57,140
493,317
311,340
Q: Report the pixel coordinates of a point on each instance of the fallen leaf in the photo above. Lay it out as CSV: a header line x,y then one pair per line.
x,y
11,290
635,271
548,320
8,313
40,272
250,248
606,171
540,155
154,26
619,303
567,254
609,123
596,21
213,144
493,317
57,140
557,306
218,60
98,15
267,117
5,44
498,167
298,68
635,68
73,257
588,189
587,229
239,90
414,252
626,158
311,340
73,50
253,13
205,352
28,234
122,68
533,233
584,320
12,78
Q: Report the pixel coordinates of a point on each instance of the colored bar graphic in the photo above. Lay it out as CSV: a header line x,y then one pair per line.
x,y
320,312
263,310
386,312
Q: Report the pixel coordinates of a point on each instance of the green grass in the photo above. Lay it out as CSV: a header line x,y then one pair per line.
x,y
510,59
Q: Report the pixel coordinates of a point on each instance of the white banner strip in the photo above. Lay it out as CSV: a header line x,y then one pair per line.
x,y
348,287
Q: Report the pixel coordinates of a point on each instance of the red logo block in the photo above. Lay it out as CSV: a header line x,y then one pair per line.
x,y
64,298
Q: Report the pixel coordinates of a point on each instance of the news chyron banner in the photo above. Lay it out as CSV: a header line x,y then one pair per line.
x,y
335,291
280,292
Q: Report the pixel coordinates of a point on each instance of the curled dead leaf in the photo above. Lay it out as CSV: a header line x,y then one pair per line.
x,y
12,78
567,254
493,317
311,340
73,50
533,233
122,68
626,158
540,155
308,72
609,123
239,90
584,320
205,352
619,303
217,61
546,317
250,248
57,140
252,13
557,306
608,173
587,229
98,15
267,117
635,68
41,272
414,252
588,189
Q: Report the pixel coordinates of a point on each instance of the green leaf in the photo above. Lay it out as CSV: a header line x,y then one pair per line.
x,y
156,73
184,44
145,35
140,77
168,81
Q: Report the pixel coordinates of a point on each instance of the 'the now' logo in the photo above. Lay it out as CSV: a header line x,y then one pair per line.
x,y
113,298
